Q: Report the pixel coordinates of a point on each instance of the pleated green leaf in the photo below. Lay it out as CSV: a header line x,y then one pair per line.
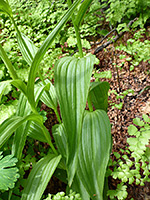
x,y
39,177
78,186
72,81
36,132
42,50
33,129
60,138
49,97
99,94
27,47
94,152
11,124
82,10
5,8
23,109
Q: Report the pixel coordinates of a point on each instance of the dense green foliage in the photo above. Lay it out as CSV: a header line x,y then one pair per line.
x,y
30,61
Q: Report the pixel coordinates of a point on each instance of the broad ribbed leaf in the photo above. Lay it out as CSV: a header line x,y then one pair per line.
x,y
49,97
8,172
72,81
5,8
33,129
23,109
27,47
82,10
94,152
60,138
41,52
11,124
78,186
39,177
99,94
36,132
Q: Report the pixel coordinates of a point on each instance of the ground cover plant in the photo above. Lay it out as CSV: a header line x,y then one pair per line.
x,y
127,169
72,85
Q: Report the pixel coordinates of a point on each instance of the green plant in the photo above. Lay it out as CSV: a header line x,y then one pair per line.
x,y
138,50
61,196
134,165
76,153
129,9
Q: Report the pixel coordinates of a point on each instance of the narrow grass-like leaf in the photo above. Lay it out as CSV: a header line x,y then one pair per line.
x,y
41,52
28,49
82,10
11,124
94,152
5,8
39,177
99,94
72,81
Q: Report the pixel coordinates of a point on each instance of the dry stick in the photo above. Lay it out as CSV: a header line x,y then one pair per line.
x,y
113,40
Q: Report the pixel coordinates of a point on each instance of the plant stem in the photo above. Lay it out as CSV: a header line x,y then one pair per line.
x,y
79,44
57,115
48,140
8,63
20,36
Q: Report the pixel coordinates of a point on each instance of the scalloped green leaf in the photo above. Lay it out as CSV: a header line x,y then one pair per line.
x,y
8,172
72,82
39,177
94,152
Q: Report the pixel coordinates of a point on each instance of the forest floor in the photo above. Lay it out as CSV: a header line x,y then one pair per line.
x,y
134,105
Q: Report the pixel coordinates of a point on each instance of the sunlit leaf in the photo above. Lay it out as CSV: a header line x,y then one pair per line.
x,y
94,153
28,49
72,81
42,50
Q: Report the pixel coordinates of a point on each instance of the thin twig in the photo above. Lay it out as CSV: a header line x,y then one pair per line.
x,y
113,40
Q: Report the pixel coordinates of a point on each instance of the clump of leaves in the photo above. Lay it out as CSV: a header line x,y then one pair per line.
x,y
61,196
134,165
138,51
